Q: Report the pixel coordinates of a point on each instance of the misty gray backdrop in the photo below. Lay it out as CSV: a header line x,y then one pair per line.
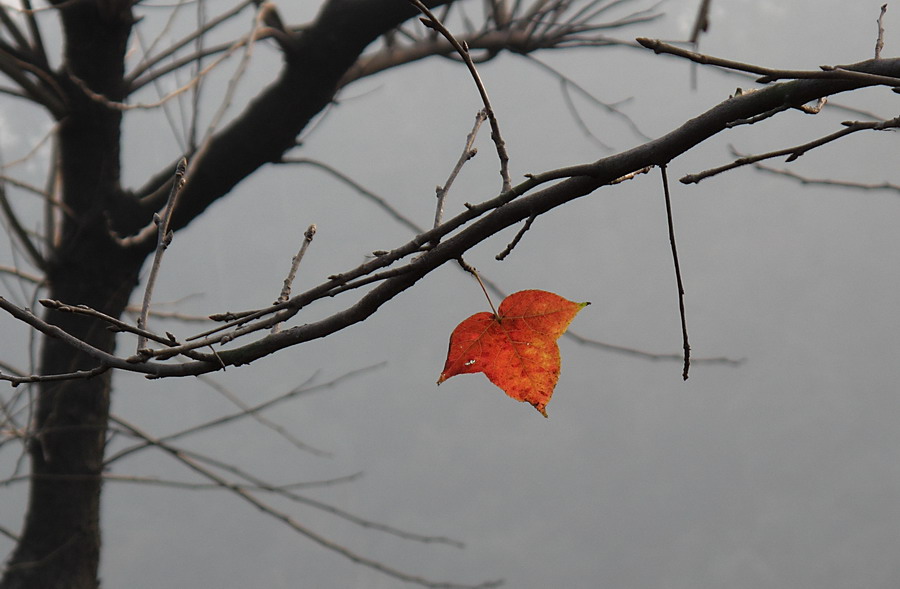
x,y
781,472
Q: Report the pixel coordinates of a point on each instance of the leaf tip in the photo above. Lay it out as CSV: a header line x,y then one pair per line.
x,y
541,408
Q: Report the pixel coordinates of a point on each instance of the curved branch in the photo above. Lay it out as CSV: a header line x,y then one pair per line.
x,y
516,205
584,180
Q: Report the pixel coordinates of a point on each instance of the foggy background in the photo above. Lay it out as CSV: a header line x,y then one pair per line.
x,y
778,473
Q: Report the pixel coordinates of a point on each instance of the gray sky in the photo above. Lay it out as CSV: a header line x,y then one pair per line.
x,y
779,473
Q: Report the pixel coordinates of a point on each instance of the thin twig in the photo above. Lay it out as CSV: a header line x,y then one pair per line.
x,y
32,278
17,229
295,264
379,200
261,419
152,480
148,62
468,153
579,120
828,181
17,35
796,151
65,376
701,23
253,500
304,388
163,240
231,88
433,22
684,334
37,41
512,244
9,534
643,354
826,72
116,324
879,42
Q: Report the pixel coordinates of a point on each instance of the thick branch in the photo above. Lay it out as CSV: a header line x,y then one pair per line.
x,y
268,127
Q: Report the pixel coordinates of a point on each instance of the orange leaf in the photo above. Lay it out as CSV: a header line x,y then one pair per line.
x,y
516,349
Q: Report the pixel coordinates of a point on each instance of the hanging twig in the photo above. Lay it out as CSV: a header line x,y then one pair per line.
x,y
671,224
163,240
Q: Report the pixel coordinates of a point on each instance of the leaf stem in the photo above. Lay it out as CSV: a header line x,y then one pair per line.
x,y
471,270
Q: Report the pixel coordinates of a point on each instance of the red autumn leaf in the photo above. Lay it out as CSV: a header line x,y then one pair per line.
x,y
516,348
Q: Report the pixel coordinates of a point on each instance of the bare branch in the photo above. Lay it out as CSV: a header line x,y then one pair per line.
x,y
769,74
116,324
264,507
37,41
828,181
489,217
794,152
150,61
378,200
295,264
637,353
432,22
9,534
17,229
28,277
162,242
612,108
193,486
879,42
47,95
509,248
13,30
701,22
75,375
259,418
468,153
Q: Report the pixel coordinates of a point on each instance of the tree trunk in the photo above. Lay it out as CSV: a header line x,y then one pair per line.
x,y
59,547
60,543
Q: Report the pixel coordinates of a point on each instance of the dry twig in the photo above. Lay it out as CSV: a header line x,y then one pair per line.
x,y
797,151
431,21
468,153
162,242
879,42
